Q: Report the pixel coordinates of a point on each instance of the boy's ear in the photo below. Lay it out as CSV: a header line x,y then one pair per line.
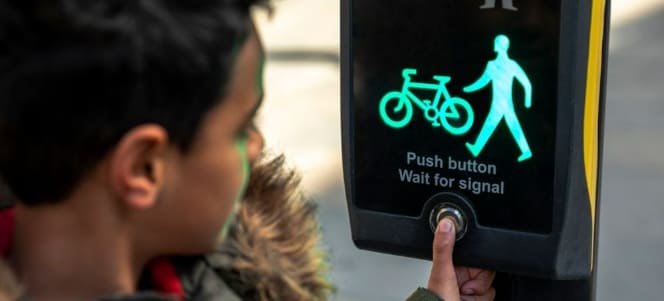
x,y
137,166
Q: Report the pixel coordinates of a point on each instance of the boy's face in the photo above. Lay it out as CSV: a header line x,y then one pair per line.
x,y
203,185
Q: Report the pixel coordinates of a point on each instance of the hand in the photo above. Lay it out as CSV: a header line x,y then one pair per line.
x,y
475,284
456,283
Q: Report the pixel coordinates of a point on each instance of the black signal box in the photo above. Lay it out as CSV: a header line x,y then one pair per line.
x,y
490,109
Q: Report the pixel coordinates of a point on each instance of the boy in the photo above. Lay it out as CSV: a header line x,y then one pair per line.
x,y
126,132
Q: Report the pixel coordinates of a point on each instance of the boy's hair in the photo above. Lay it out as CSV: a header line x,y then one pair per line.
x,y
76,75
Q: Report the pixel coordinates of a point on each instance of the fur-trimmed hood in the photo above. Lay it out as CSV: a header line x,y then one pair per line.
x,y
274,248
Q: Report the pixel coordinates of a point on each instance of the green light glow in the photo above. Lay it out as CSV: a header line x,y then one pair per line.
x,y
446,113
501,73
455,114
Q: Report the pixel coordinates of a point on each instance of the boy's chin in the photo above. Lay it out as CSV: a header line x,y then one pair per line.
x,y
196,244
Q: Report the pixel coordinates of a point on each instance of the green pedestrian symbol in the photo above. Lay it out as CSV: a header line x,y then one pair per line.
x,y
501,73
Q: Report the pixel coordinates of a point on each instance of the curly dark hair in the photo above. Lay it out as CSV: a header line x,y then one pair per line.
x,y
76,75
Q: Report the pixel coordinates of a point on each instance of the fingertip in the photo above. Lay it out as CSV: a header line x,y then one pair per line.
x,y
443,244
443,276
445,233
446,225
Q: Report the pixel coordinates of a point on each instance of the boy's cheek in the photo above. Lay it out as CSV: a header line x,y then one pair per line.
x,y
202,201
243,149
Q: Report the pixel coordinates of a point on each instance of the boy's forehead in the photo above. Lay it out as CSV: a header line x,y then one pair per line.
x,y
260,59
254,64
255,32
245,86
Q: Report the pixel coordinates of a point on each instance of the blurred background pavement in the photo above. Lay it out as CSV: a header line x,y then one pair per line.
x,y
301,118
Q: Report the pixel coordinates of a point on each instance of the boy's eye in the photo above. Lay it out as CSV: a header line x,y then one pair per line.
x,y
244,131
242,134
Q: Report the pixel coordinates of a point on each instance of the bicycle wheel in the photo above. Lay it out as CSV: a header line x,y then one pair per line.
x,y
461,114
400,104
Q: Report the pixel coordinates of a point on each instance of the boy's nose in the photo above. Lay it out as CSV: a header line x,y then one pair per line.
x,y
255,145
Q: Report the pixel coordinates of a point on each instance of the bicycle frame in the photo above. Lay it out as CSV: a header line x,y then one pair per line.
x,y
440,89
437,113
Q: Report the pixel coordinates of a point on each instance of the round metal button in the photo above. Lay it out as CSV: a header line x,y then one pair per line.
x,y
448,209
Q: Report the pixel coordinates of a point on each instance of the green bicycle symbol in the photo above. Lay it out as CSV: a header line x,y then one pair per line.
x,y
446,112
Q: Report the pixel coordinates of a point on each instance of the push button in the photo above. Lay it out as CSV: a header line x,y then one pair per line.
x,y
443,210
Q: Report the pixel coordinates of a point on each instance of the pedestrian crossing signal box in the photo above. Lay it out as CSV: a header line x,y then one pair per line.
x,y
491,108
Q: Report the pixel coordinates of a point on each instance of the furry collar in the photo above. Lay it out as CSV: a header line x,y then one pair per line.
x,y
273,251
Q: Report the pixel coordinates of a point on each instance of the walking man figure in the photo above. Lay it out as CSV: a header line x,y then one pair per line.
x,y
507,4
501,72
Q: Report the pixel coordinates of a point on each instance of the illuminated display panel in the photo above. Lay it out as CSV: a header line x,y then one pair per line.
x,y
449,96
